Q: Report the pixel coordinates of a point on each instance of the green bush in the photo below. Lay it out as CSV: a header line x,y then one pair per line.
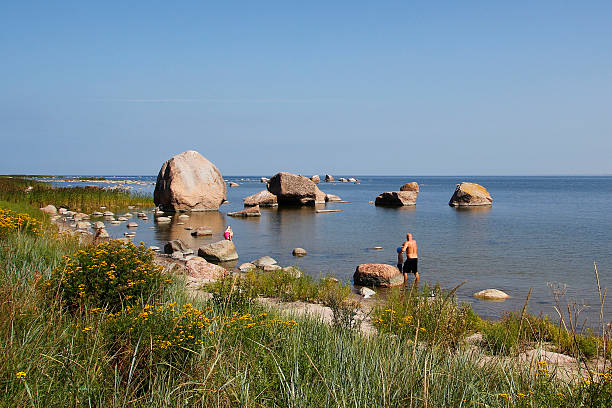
x,y
110,275
433,313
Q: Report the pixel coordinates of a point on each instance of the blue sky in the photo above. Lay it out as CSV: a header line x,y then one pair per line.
x,y
390,88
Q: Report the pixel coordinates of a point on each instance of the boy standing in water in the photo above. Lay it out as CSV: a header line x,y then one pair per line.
x,y
410,266
400,259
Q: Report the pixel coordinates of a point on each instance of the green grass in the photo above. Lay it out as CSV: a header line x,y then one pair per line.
x,y
17,190
54,356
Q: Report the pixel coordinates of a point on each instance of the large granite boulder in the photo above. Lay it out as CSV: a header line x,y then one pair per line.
x,y
219,251
292,189
470,195
380,275
329,178
412,186
397,198
263,199
247,212
188,181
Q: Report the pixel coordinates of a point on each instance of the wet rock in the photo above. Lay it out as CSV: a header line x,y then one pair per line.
x,y
141,215
188,181
412,186
470,195
183,217
108,214
115,222
329,178
247,212
342,180
201,232
264,179
378,275
49,209
366,292
97,214
397,198
491,294
263,261
154,248
163,219
232,184
352,180
219,251
132,225
264,199
174,246
299,252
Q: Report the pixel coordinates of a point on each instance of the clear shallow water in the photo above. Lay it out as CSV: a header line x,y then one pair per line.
x,y
539,230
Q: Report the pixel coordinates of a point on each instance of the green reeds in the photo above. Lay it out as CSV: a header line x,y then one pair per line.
x,y
84,199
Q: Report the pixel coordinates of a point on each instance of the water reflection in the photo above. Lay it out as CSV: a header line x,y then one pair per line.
x,y
177,228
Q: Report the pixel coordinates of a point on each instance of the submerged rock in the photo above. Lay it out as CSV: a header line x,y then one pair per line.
x,y
397,198
188,181
247,212
219,251
491,294
380,275
470,194
201,231
299,252
332,197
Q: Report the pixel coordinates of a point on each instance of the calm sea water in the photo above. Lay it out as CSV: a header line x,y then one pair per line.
x,y
540,230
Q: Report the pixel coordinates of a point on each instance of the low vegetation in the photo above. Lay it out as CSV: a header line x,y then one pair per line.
x,y
69,345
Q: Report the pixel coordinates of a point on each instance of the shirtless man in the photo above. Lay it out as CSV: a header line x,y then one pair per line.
x,y
410,266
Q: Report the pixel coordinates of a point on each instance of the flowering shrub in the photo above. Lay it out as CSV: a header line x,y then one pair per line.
x,y
108,275
11,221
174,332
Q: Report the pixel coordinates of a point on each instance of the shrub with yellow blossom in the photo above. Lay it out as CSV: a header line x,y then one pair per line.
x,y
110,275
11,221
176,332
